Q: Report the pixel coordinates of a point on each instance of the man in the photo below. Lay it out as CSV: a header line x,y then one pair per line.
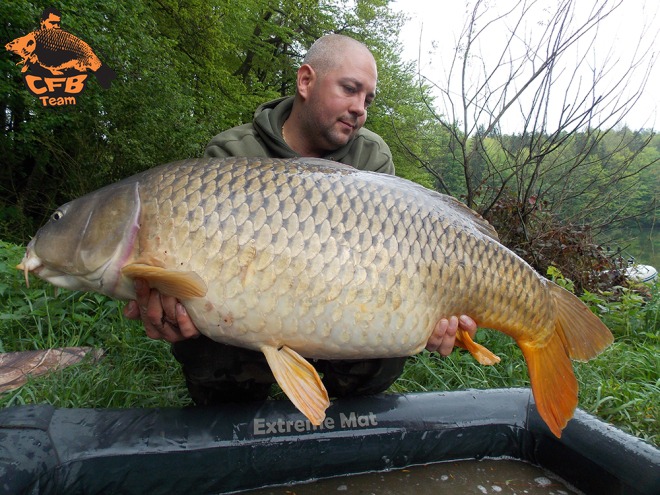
x,y
51,19
335,86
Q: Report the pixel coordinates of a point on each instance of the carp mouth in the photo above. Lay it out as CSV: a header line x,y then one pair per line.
x,y
30,263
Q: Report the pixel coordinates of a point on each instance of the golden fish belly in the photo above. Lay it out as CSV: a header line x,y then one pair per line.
x,y
333,263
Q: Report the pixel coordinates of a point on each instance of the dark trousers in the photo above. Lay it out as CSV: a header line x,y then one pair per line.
x,y
217,373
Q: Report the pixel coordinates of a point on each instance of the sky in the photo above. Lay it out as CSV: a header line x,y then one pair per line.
x,y
431,34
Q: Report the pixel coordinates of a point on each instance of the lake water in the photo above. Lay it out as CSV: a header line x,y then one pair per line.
x,y
643,244
485,477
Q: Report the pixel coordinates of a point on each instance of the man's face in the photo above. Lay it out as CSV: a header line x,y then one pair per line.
x,y
339,98
53,22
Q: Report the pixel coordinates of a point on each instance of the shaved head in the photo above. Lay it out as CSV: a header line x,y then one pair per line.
x,y
334,87
328,51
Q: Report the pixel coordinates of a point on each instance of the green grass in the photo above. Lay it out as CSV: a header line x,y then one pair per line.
x,y
621,386
134,372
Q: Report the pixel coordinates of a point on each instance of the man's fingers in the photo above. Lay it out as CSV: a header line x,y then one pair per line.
x,y
438,334
443,338
142,292
468,324
168,308
164,317
132,311
153,313
186,326
447,344
165,331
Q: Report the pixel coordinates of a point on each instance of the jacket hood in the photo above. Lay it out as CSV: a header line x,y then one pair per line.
x,y
268,121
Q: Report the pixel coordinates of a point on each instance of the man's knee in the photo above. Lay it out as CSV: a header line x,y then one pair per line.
x,y
364,377
218,373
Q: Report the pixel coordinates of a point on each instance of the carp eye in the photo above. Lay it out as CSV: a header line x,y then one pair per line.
x,y
56,216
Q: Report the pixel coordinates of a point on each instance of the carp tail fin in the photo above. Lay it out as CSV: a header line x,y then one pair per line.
x,y
553,382
580,335
583,334
299,381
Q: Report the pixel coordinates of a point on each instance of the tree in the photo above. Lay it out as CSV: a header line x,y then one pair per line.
x,y
549,82
186,69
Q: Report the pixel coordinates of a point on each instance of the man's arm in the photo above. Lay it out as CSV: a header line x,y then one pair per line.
x,y
215,151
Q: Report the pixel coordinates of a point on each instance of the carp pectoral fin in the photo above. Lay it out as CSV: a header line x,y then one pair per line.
x,y
299,381
553,382
182,285
479,352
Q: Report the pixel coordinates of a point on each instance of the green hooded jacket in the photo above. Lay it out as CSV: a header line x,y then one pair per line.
x,y
263,138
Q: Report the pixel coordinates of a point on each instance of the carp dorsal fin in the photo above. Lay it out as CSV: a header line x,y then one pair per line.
x,y
182,285
299,381
322,163
480,353
478,221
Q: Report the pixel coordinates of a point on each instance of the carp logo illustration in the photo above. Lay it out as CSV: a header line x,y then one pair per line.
x,y
55,62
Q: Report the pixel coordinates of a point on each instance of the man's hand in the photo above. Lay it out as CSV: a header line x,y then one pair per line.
x,y
164,317
444,334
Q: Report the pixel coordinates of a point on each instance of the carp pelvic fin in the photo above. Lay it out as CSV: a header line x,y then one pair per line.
x,y
182,285
299,381
479,352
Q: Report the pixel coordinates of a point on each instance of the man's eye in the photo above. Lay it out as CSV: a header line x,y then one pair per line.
x,y
350,89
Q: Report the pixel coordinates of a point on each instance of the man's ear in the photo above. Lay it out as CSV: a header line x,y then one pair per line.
x,y
305,80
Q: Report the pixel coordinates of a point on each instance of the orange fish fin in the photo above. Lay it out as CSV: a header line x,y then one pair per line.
x,y
182,285
299,381
479,352
583,334
553,382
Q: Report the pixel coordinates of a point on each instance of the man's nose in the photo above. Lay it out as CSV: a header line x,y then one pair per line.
x,y
358,106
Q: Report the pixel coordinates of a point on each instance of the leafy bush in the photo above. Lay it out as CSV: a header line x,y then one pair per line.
x,y
544,241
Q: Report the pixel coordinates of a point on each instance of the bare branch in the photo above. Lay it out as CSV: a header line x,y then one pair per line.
x,y
541,71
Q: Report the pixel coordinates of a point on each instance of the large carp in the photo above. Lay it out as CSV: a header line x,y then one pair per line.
x,y
305,257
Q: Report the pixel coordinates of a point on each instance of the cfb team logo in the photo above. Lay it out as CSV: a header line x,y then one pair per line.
x,y
55,63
